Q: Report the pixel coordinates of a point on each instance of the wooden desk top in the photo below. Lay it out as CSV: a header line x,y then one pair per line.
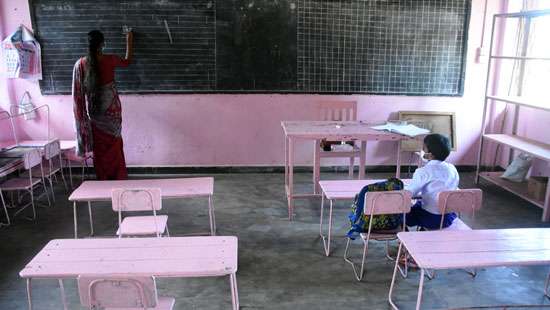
x,y
170,188
337,130
478,248
161,257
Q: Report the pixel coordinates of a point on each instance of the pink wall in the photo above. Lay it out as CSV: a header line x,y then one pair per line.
x,y
244,130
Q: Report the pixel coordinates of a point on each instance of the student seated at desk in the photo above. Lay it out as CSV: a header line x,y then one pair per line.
x,y
427,182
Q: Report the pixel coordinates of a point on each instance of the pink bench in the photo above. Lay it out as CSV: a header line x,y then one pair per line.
x,y
464,249
90,191
179,257
339,190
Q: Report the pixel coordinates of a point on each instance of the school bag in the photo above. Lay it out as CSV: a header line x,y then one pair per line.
x,y
360,221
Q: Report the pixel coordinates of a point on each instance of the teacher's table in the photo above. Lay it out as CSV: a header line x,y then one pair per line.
x,y
90,191
333,131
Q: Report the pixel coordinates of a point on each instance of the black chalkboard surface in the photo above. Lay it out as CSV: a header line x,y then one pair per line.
x,y
408,47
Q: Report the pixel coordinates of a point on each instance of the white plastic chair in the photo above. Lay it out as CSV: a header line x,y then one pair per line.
x,y
127,200
121,292
340,111
379,203
31,159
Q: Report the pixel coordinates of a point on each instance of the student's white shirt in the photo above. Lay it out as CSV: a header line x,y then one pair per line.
x,y
436,176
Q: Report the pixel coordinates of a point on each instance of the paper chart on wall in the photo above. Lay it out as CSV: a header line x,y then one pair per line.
x,y
21,55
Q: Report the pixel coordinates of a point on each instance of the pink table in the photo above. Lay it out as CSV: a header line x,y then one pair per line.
x,y
9,165
330,130
90,191
9,149
339,190
473,249
6,145
160,257
64,144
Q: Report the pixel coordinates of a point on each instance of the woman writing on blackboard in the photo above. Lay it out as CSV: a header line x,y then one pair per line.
x,y
97,107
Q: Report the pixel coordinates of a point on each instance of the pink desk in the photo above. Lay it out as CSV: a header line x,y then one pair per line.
x,y
160,257
5,145
9,165
64,144
473,249
339,190
330,130
90,191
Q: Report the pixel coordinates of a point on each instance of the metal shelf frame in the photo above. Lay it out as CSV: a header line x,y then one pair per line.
x,y
523,144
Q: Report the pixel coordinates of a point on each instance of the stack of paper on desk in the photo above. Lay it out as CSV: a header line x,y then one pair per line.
x,y
402,128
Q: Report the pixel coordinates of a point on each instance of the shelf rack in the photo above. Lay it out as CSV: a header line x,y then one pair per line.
x,y
535,148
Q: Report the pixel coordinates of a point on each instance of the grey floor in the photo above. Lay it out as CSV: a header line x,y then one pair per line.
x,y
281,263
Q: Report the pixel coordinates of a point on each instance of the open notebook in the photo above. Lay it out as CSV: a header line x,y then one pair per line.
x,y
402,128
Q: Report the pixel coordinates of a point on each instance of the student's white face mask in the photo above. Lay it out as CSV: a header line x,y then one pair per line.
x,y
423,156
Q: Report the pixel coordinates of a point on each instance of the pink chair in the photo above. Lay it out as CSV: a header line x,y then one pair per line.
x,y
339,111
31,159
8,222
378,203
147,199
460,201
52,150
70,156
111,292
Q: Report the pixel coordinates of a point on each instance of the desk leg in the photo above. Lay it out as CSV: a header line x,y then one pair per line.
x,y
286,162
29,297
316,165
91,219
212,216
325,240
546,209
290,189
63,297
234,291
546,291
398,165
362,160
419,298
75,221
394,306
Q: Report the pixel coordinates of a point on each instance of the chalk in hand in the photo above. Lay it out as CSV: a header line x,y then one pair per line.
x,y
126,29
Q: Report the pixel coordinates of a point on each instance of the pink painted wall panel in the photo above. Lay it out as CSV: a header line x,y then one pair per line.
x,y
244,130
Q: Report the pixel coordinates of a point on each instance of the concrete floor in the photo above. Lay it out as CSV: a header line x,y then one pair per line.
x,y
281,263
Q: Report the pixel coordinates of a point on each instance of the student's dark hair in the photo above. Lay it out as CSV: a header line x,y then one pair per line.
x,y
438,145
91,79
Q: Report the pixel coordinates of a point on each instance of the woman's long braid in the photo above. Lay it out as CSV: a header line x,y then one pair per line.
x,y
91,80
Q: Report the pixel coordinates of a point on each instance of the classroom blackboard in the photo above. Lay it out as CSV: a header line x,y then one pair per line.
x,y
401,47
